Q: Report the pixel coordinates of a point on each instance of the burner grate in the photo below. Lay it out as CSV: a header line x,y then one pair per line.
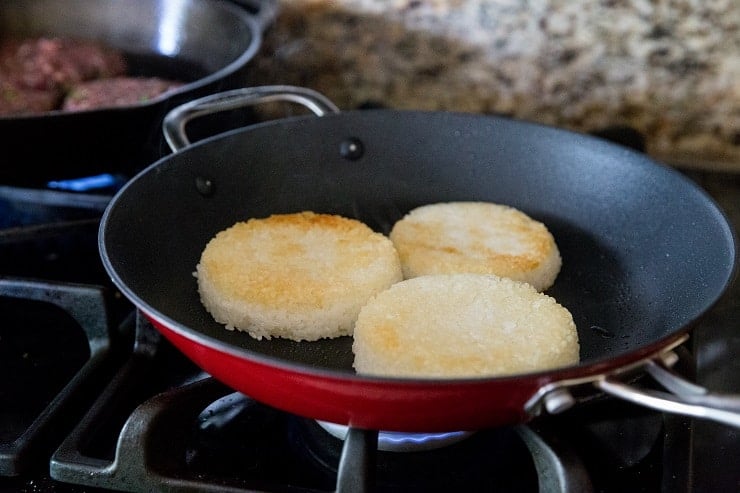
x,y
60,334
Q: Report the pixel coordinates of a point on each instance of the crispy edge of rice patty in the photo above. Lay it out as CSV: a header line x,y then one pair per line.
x,y
462,325
476,237
301,276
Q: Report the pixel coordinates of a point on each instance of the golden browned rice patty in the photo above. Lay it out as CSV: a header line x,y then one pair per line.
x,y
476,237
301,276
462,325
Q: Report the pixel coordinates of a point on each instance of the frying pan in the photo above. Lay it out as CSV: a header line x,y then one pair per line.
x,y
205,43
645,252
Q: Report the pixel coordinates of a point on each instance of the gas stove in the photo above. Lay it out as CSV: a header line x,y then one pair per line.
x,y
95,400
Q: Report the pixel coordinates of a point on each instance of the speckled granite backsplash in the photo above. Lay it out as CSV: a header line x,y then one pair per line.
x,y
669,69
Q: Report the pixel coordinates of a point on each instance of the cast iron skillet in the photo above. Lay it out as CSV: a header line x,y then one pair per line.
x,y
645,252
205,43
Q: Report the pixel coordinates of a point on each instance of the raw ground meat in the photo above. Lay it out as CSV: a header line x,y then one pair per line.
x,y
44,74
58,63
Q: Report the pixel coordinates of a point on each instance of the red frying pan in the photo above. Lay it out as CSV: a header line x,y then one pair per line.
x,y
645,252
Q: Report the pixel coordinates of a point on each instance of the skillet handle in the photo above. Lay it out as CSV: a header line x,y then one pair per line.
x,y
683,397
175,121
264,11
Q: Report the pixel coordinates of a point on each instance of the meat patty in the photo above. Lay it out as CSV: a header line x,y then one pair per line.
x,y
58,63
117,91
36,73
18,100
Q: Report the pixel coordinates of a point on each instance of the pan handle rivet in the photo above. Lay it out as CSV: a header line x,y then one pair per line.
x,y
558,400
351,149
204,186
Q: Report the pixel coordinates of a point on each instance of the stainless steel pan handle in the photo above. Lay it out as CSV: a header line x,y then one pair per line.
x,y
683,397
680,395
176,120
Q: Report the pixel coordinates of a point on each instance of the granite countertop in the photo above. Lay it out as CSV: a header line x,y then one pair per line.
x,y
668,69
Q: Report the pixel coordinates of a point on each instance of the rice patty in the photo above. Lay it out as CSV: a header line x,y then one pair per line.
x,y
476,237
462,325
301,276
